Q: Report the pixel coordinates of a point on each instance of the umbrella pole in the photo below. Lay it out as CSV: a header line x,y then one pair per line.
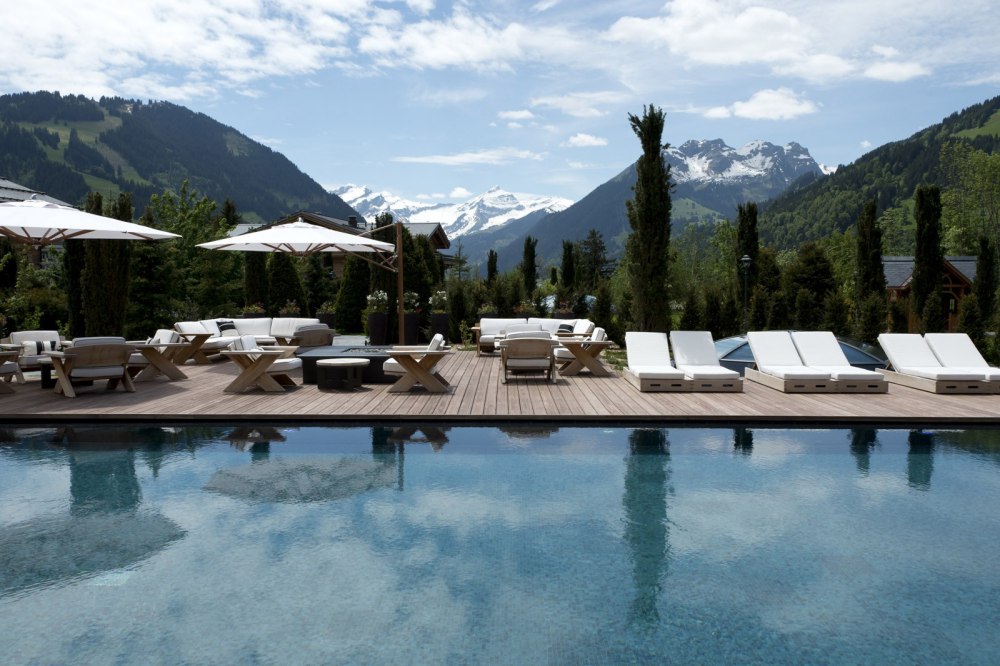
x,y
399,279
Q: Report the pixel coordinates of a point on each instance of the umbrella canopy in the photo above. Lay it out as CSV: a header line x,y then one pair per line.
x,y
38,222
299,238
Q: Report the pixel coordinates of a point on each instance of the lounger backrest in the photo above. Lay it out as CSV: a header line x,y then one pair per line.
x,y
165,335
643,348
529,348
437,342
98,340
773,348
583,327
599,334
693,348
819,348
955,350
907,350
245,343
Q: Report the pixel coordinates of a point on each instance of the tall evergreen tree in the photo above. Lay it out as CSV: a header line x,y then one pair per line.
x,y
567,270
284,284
74,259
928,262
150,305
592,264
871,273
648,245
491,266
255,279
8,265
692,319
352,297
106,273
529,265
985,284
747,243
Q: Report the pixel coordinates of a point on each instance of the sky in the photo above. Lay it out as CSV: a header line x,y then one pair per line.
x,y
437,100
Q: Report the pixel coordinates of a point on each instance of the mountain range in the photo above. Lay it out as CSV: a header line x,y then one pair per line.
x,y
710,179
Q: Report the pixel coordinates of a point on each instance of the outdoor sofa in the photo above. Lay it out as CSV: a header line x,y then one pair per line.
x,y
223,331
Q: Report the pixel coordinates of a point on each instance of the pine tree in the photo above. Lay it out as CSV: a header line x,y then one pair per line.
x,y
106,273
255,280
871,273
352,297
491,266
284,285
928,262
648,245
567,270
934,318
74,259
835,314
592,264
150,304
871,317
692,319
713,311
971,321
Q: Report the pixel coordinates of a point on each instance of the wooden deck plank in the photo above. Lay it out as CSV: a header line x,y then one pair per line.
x,y
477,393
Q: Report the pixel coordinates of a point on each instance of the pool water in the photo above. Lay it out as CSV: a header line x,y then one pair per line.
x,y
516,545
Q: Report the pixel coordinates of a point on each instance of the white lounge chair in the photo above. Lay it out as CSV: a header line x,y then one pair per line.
x,y
392,366
957,350
780,366
915,365
821,350
694,355
649,367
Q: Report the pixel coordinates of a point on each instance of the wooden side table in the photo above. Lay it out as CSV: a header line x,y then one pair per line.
x,y
340,373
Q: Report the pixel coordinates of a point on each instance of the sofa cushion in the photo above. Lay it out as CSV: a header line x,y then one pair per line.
x,y
284,327
547,323
191,328
212,326
39,347
493,325
259,326
226,327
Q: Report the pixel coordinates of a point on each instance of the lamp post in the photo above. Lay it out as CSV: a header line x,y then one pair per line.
x,y
745,264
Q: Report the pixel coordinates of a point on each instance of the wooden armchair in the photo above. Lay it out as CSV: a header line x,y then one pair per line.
x,y
528,355
91,359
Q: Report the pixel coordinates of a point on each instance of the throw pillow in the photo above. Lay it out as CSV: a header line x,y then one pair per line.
x,y
565,328
226,327
39,347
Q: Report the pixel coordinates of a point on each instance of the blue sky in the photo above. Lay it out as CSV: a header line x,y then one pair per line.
x,y
437,100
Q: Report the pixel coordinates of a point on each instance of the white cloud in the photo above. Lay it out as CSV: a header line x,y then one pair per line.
x,y
521,114
777,104
450,96
487,156
420,6
580,105
580,140
866,144
896,72
435,195
514,125
267,141
460,193
544,5
884,51
580,165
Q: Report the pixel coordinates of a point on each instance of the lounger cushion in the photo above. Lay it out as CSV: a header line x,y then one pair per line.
x,y
707,372
938,373
793,372
908,350
655,372
848,373
647,349
956,350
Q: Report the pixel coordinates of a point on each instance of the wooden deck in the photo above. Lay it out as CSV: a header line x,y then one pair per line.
x,y
477,395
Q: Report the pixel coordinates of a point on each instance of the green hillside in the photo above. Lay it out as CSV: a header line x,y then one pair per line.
x,y
69,145
814,208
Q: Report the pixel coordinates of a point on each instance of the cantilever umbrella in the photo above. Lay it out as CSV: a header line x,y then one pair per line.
x,y
303,239
38,223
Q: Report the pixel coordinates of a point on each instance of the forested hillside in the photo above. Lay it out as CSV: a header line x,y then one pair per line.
x,y
69,145
815,207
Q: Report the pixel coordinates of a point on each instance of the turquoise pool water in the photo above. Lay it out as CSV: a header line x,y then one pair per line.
x,y
517,545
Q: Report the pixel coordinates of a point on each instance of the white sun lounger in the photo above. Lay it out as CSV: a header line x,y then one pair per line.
x,y
915,365
694,355
649,367
821,350
956,350
780,367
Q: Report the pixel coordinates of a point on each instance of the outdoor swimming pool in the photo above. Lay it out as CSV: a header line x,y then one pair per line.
x,y
515,545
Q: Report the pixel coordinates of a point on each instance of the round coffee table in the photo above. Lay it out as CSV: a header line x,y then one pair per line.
x,y
340,373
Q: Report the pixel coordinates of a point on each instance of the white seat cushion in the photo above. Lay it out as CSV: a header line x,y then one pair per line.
x,y
938,373
707,372
793,372
528,364
655,372
847,372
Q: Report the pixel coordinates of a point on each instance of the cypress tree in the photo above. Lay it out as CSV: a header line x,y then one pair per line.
x,y
928,262
871,318
8,266
150,304
74,259
985,284
567,269
871,274
529,265
835,314
106,273
971,321
284,285
255,280
713,311
352,297
935,315
692,319
491,266
648,245
747,242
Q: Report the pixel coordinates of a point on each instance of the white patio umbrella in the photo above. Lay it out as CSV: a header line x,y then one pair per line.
x,y
303,239
299,238
38,223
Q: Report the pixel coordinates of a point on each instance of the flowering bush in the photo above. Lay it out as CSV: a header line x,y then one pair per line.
x,y
438,301
378,301
253,309
411,301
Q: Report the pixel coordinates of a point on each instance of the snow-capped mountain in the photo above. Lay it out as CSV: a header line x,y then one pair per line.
x,y
712,161
488,211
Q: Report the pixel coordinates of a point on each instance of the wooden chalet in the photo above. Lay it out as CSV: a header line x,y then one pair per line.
x,y
959,274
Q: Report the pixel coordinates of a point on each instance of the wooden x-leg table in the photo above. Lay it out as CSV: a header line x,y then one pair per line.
x,y
193,349
160,362
585,355
419,367
254,366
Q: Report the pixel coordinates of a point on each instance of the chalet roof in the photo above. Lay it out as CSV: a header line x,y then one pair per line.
x,y
899,270
11,191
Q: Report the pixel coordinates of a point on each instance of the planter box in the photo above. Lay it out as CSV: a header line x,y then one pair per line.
x,y
378,329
